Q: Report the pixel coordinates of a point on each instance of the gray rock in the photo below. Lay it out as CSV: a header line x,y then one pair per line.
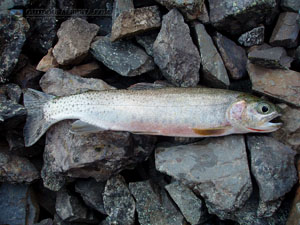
x,y
8,4
175,53
135,21
286,31
272,164
91,192
255,36
15,142
290,5
45,222
234,56
236,14
121,6
203,16
216,168
124,57
147,41
283,85
13,31
12,91
214,71
267,209
189,204
17,204
74,39
274,58
149,206
60,83
118,203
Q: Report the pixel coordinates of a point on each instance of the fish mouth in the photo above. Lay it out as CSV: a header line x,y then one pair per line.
x,y
270,124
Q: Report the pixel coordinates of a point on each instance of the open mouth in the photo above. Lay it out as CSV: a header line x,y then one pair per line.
x,y
273,122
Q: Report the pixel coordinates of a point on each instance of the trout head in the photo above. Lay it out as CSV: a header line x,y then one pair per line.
x,y
251,114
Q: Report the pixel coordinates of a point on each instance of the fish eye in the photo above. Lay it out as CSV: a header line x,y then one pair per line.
x,y
263,108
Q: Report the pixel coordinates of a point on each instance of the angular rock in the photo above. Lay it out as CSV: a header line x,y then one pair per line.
x,y
91,192
214,71
16,169
234,56
272,164
274,58
135,21
86,70
189,204
124,57
74,40
47,62
12,37
286,31
118,203
149,207
280,84
203,16
17,204
121,6
11,91
236,14
60,83
175,53
290,5
255,36
28,77
190,9
147,41
223,181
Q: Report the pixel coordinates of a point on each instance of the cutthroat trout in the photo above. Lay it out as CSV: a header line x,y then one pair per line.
x,y
185,112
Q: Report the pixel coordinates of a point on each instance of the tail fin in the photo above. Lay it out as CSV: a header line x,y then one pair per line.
x,y
36,124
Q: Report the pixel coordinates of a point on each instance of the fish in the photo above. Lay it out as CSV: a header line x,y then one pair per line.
x,y
184,112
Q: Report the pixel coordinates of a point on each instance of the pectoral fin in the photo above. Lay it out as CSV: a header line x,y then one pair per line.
x,y
211,131
80,127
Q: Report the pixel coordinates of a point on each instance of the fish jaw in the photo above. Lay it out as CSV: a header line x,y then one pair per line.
x,y
266,126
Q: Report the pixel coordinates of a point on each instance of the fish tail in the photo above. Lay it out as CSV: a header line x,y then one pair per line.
x,y
36,123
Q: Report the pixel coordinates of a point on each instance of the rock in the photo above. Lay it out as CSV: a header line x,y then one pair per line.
x,y
203,16
42,33
70,209
234,56
118,202
175,53
8,4
236,14
290,5
267,209
28,77
149,207
255,36
45,222
147,41
121,6
272,164
286,31
74,39
60,83
190,9
283,85
15,142
189,204
11,91
274,58
13,31
45,197
135,21
297,55
16,169
214,71
17,204
47,62
224,182
124,57
91,192
86,70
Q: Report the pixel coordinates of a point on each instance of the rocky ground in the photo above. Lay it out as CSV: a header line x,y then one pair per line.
x,y
121,178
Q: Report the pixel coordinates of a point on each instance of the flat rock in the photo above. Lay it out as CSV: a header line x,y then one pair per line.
x,y
255,36
149,206
74,39
189,204
121,6
118,202
190,9
272,165
147,41
12,38
86,70
283,85
234,56
135,21
124,57
236,14
47,62
91,192
286,31
214,71
216,168
60,83
290,5
175,53
274,58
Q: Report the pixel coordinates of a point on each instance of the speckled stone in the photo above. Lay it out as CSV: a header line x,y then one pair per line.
x,y
147,41
255,36
121,6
